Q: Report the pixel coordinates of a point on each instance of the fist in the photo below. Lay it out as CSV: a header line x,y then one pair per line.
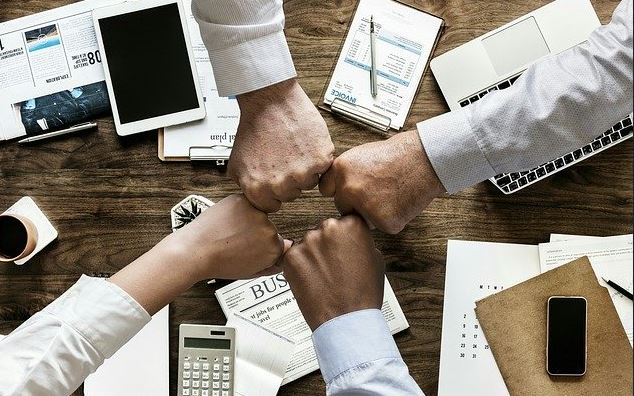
x,y
282,146
388,183
231,240
335,270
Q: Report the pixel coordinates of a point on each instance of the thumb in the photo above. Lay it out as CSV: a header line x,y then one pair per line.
x,y
327,183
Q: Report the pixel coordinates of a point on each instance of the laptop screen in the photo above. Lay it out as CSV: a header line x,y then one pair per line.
x,y
516,46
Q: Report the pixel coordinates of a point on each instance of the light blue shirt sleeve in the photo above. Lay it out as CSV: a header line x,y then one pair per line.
x,y
358,356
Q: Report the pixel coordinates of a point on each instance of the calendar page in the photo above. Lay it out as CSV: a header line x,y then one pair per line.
x,y
476,270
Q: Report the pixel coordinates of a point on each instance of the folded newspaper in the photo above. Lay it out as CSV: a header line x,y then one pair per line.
x,y
270,302
51,77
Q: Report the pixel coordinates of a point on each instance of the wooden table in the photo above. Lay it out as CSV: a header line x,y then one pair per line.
x,y
110,197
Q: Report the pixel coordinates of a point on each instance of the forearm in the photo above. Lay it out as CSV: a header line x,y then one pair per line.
x,y
559,105
246,43
166,265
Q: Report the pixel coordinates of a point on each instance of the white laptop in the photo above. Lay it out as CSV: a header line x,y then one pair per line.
x,y
497,59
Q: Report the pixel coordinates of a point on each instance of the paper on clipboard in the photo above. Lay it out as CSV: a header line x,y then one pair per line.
x,y
406,38
210,139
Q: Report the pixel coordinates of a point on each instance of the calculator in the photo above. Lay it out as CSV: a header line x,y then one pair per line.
x,y
206,360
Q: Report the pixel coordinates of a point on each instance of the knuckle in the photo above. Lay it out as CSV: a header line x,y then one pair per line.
x,y
311,237
330,225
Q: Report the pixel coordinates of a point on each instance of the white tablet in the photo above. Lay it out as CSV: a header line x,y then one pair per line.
x,y
149,65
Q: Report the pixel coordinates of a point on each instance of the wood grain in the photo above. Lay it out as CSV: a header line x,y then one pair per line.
x,y
110,197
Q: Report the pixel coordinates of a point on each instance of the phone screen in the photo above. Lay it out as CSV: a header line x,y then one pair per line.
x,y
567,335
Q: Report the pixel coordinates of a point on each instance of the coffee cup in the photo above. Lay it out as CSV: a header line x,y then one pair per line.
x,y
18,237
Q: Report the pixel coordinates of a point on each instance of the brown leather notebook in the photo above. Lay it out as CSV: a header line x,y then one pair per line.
x,y
514,323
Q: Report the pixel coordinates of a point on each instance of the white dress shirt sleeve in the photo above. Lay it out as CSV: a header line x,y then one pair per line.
x,y
246,43
557,106
358,356
56,349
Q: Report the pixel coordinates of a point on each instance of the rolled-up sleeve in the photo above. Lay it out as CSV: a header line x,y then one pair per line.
x,y
56,349
558,105
246,43
358,356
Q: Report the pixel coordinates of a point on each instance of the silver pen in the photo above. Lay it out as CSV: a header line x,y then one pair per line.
x,y
76,128
374,89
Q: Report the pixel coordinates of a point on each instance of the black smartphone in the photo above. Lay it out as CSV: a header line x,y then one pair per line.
x,y
567,325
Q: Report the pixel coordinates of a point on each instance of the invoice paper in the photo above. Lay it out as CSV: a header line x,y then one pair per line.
x,y
220,126
611,259
261,358
269,302
476,270
405,41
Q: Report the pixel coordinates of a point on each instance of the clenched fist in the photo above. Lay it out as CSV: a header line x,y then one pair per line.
x,y
388,183
282,146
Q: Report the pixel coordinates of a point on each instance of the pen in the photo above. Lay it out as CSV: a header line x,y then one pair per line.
x,y
373,71
618,288
76,128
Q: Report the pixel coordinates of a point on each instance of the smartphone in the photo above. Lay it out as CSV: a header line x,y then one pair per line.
x,y
567,325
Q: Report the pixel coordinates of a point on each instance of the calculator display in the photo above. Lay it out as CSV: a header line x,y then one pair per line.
x,y
207,343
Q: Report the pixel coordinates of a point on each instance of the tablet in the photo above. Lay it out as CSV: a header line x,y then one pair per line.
x,y
149,65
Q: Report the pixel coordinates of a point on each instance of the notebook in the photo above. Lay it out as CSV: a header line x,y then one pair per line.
x,y
514,322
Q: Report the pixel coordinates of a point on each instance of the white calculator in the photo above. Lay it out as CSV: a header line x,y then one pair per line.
x,y
206,360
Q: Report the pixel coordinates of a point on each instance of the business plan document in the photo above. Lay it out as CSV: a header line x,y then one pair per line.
x,y
611,258
476,270
405,40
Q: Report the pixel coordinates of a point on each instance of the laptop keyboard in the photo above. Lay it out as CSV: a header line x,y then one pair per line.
x,y
512,182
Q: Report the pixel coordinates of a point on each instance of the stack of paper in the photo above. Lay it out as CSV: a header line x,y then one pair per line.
x,y
476,270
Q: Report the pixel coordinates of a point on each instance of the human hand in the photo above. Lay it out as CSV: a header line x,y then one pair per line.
x,y
335,270
230,240
282,146
388,183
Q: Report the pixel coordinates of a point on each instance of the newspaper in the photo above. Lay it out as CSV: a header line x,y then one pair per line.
x,y
270,302
51,76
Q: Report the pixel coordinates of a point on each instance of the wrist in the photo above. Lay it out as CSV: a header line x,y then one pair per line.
x,y
433,185
254,101
185,258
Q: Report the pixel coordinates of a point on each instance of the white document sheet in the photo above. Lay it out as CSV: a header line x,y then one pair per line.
x,y
405,41
140,368
611,258
568,237
270,302
474,271
218,129
261,358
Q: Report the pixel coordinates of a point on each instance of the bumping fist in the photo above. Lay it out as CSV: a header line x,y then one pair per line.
x,y
282,146
335,270
388,183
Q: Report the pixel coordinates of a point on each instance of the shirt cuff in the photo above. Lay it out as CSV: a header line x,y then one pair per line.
x,y
352,340
252,65
105,315
454,151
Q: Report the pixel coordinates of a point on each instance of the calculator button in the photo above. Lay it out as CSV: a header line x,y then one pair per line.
x,y
216,367
215,393
185,383
225,385
195,392
186,392
216,360
225,393
187,374
216,385
225,377
195,384
216,376
204,392
226,368
196,375
187,365
196,366
205,376
204,384
226,360
205,366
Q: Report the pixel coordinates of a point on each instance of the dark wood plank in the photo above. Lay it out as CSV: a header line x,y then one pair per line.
x,y
110,197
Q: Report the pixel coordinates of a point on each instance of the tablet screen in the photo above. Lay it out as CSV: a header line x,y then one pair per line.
x,y
149,64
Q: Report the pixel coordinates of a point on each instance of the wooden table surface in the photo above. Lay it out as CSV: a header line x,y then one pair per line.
x,y
110,197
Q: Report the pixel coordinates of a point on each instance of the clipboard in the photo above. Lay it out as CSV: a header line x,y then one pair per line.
x,y
218,153
363,115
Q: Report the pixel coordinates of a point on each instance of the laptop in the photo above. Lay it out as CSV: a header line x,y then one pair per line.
x,y
497,59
